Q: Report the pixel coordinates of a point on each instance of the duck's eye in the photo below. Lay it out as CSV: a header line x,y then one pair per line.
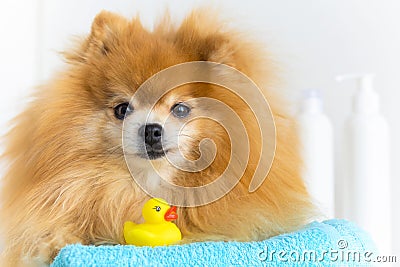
x,y
180,110
157,208
121,110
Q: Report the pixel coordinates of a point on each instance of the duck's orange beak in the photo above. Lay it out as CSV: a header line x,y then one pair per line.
x,y
171,215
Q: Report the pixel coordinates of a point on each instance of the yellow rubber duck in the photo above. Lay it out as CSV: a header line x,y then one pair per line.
x,y
157,230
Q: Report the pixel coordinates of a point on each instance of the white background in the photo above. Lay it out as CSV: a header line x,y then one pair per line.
x,y
313,40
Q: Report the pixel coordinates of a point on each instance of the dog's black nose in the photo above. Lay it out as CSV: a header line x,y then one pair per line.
x,y
152,134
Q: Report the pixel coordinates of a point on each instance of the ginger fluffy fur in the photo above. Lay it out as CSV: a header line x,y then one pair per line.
x,y
66,184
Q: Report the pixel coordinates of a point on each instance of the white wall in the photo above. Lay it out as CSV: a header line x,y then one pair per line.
x,y
18,54
313,40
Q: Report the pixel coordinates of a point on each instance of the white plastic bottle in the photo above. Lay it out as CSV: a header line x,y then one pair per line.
x,y
316,138
367,177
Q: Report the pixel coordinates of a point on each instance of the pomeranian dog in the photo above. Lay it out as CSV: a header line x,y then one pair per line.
x,y
67,180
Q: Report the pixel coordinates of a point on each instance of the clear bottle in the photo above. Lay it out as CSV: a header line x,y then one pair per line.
x,y
367,176
316,137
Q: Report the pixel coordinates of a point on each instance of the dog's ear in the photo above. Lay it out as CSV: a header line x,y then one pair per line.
x,y
105,29
101,40
202,36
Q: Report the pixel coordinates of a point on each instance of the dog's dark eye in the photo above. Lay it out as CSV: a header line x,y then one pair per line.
x,y
180,110
122,110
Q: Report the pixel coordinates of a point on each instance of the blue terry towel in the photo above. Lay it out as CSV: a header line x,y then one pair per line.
x,y
328,243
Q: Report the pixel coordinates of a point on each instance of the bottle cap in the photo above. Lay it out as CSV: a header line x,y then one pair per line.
x,y
311,101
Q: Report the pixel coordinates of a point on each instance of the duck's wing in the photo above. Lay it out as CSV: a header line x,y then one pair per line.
x,y
141,237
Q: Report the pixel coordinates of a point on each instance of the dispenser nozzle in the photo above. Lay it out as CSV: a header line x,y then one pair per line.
x,y
365,81
365,100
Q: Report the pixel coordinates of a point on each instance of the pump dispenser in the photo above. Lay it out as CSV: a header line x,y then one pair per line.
x,y
365,186
366,100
